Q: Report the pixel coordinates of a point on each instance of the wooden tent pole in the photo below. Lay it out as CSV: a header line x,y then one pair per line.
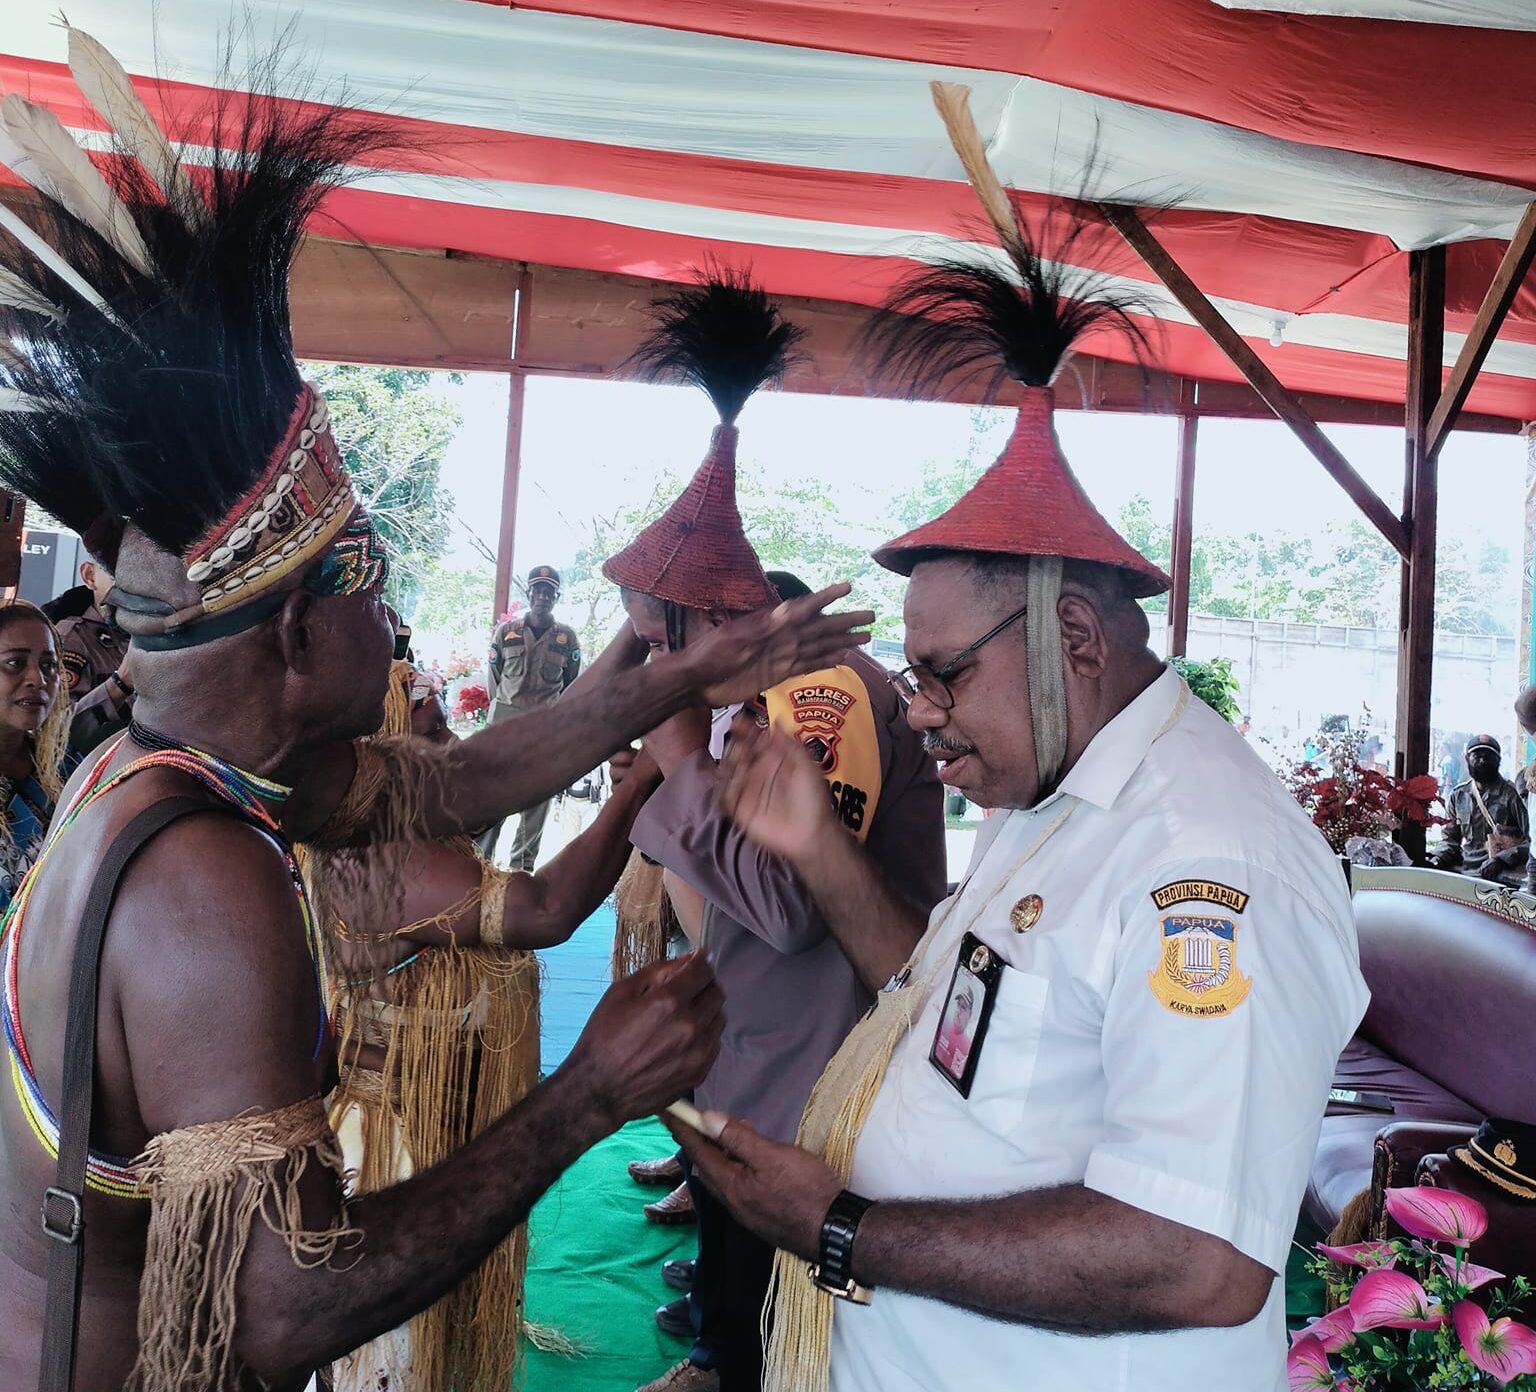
x,y
511,476
1279,400
1416,638
512,461
1183,534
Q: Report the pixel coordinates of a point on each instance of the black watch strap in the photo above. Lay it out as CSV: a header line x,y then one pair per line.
x,y
833,1269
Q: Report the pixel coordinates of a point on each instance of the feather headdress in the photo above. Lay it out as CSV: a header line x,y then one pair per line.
x,y
153,378
962,319
727,337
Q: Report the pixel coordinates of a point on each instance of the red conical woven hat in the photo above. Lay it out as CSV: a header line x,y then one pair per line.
x,y
1028,504
696,552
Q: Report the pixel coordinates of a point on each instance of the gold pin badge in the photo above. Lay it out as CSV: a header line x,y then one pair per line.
x,y
981,959
1026,913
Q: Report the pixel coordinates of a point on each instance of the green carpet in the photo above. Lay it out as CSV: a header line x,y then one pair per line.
x,y
595,1271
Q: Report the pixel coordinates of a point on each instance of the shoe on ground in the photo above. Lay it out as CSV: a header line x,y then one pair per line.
x,y
678,1274
665,1173
677,1207
685,1377
674,1318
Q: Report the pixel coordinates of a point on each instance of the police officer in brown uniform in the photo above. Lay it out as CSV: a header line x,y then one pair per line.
x,y
92,659
533,659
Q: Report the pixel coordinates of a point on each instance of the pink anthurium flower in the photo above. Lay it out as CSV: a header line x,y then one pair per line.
x,y
1470,1274
1437,1215
1392,1300
1332,1331
1502,1347
1306,1367
1373,1256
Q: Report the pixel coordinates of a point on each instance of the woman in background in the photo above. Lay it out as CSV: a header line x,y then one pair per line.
x,y
34,735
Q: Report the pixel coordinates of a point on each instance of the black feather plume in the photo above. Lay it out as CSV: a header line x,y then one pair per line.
x,y
724,335
167,416
1017,315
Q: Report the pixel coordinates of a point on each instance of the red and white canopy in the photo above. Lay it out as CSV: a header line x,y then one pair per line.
x,y
1308,143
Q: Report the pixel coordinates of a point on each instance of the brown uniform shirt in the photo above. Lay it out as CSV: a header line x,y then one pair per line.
x,y
91,651
791,995
528,671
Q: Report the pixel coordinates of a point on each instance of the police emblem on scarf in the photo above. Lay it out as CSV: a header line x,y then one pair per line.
x,y
1198,973
829,712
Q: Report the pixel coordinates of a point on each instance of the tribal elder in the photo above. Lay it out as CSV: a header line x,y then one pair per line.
x,y
1099,1192
791,990
225,1256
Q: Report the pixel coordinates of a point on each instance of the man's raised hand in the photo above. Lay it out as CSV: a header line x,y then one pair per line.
x,y
746,656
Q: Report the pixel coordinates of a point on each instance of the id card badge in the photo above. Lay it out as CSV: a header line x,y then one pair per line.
x,y
967,1012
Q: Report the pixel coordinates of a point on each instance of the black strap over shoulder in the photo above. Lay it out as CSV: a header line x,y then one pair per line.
x,y
63,1219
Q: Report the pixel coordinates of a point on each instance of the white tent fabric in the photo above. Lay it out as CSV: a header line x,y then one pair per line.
x,y
1475,14
634,85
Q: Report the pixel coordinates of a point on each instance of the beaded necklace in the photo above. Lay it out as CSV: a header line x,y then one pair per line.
x,y
114,1174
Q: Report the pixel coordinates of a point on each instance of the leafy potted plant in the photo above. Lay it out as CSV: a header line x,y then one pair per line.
x,y
1415,1312
1212,682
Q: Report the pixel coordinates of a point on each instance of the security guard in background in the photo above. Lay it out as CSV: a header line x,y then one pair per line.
x,y
93,660
533,660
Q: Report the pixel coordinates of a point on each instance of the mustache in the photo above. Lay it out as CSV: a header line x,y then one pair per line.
x,y
937,744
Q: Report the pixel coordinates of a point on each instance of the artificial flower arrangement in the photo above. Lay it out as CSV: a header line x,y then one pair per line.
x,y
1416,1313
473,703
1347,798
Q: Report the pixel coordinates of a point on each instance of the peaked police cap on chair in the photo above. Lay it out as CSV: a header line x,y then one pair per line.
x,y
726,336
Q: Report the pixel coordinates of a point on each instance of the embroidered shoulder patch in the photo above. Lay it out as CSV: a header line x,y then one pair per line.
x,y
1200,891
71,668
1198,973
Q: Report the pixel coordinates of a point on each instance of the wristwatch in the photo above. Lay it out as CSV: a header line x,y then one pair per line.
x,y
833,1271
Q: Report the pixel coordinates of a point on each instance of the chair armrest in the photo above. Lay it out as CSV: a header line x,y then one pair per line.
x,y
1400,1145
1509,1245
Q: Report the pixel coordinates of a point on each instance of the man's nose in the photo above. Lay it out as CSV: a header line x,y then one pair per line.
x,y
924,714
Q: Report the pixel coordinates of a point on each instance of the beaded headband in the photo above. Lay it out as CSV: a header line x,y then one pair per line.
x,y
301,510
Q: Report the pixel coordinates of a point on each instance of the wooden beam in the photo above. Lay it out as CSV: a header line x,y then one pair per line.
x,y
1276,396
1416,639
1182,545
1485,328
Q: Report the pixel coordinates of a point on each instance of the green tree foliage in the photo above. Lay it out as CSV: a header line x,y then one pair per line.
x,y
456,605
393,430
1347,575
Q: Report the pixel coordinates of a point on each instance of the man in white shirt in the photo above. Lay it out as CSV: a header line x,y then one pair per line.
x,y
1095,1189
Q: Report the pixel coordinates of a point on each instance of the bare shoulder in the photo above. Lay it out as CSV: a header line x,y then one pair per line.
x,y
214,975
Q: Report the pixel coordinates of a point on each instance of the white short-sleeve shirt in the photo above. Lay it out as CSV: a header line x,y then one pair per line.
x,y
1164,1033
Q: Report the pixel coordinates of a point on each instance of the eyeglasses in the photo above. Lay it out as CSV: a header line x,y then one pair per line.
x,y
933,683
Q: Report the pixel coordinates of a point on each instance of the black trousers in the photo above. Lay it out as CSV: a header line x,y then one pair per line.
x,y
730,1283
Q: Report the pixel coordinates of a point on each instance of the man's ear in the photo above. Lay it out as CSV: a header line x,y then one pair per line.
x,y
717,617
295,631
88,574
1084,643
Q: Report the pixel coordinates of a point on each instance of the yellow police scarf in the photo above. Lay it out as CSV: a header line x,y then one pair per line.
x,y
830,713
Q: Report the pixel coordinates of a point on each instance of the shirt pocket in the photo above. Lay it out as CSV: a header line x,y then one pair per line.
x,y
1000,1089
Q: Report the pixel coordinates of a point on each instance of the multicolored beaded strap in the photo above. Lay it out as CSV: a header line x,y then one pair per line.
x,y
114,1174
